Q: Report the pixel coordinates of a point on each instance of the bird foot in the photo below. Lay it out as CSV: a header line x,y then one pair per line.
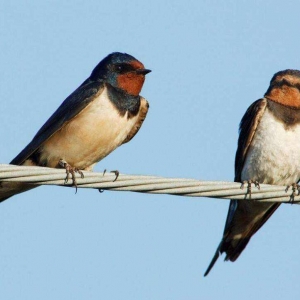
x,y
116,172
249,182
70,170
295,187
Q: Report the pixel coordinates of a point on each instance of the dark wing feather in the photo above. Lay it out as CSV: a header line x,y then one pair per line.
x,y
248,127
71,107
241,214
247,130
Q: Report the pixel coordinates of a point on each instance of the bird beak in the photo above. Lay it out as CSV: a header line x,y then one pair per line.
x,y
143,71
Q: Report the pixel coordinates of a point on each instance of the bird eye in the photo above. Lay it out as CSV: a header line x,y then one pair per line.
x,y
123,68
119,68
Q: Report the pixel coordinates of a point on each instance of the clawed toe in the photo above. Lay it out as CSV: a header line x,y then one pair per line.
x,y
116,172
249,182
79,172
71,171
295,187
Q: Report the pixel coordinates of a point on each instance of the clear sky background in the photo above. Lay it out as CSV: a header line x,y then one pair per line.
x,y
210,61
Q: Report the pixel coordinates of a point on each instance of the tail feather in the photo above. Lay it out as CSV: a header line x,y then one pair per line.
x,y
242,226
214,259
9,189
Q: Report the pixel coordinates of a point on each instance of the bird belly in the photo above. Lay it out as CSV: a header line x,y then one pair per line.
x,y
90,136
274,154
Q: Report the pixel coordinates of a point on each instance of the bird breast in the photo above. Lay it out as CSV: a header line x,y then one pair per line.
x,y
274,154
90,136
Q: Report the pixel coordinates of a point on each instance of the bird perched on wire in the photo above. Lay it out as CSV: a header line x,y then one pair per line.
x,y
268,152
104,112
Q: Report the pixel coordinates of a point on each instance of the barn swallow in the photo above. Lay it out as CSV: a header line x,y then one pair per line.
x,y
268,152
104,112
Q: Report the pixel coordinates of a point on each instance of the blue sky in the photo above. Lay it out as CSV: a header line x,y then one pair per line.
x,y
210,61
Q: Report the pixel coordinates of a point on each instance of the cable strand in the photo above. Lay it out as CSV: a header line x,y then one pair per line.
x,y
146,184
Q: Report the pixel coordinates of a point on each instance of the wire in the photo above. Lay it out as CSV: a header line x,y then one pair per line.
x,y
147,184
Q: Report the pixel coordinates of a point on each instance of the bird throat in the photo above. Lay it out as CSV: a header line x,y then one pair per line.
x,y
131,82
123,101
285,95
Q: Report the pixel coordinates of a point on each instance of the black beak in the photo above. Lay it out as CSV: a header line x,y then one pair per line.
x,y
143,71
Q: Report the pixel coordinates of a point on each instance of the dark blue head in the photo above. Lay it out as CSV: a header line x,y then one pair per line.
x,y
122,71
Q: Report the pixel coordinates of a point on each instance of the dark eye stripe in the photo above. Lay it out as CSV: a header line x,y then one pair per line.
x,y
123,68
285,82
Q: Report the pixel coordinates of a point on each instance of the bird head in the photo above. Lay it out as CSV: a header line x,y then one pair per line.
x,y
122,71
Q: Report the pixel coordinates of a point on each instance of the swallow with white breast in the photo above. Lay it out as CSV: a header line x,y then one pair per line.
x,y
104,112
268,152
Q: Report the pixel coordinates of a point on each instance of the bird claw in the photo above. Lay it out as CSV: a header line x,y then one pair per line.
x,y
295,187
71,170
249,182
116,172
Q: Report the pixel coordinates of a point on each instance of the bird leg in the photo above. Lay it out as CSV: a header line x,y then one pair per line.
x,y
70,170
295,187
249,182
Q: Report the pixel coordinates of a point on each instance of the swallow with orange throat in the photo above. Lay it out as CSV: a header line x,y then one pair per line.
x,y
104,112
268,152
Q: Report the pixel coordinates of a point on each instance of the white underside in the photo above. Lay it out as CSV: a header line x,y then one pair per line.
x,y
274,154
273,158
90,136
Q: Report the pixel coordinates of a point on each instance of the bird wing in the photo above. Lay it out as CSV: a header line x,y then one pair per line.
x,y
144,106
71,107
248,127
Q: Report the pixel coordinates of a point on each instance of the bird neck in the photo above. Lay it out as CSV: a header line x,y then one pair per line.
x,y
123,101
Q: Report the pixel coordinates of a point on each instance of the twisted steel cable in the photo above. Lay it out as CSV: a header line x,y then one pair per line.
x,y
147,184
